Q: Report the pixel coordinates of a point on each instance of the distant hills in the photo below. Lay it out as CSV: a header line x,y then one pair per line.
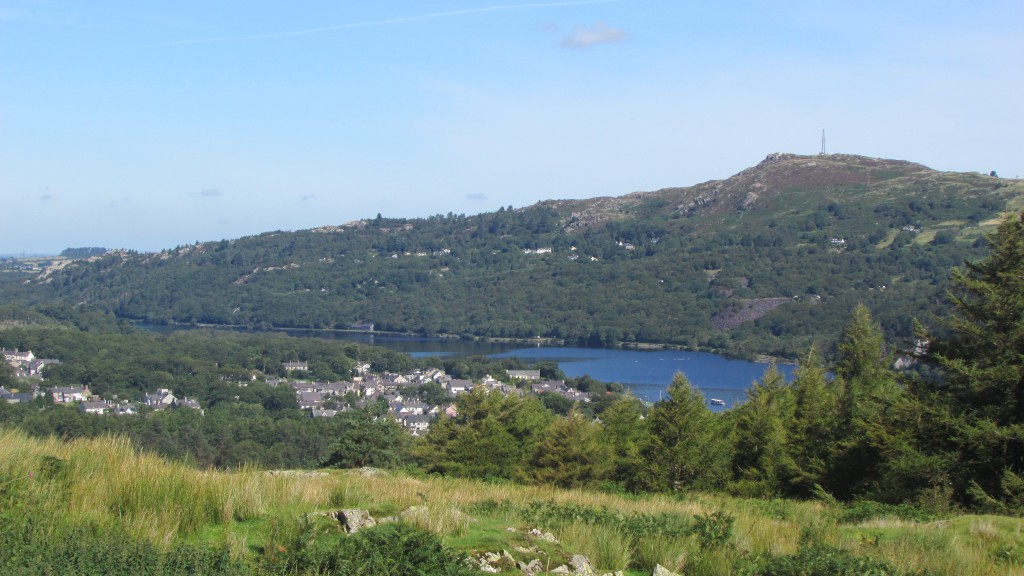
x,y
764,262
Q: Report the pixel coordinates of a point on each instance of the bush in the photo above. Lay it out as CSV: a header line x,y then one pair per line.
x,y
400,550
713,530
864,510
823,560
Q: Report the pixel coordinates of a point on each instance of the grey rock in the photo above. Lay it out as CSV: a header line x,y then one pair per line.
x,y
354,519
660,570
581,566
532,568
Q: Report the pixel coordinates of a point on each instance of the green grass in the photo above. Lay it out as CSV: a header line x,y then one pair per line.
x,y
273,523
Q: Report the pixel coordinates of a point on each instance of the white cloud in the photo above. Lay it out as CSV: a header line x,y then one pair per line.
x,y
210,193
476,196
592,36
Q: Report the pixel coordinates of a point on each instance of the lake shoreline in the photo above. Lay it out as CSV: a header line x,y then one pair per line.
x,y
553,342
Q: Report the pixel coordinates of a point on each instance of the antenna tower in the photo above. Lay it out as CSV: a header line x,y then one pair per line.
x,y
822,153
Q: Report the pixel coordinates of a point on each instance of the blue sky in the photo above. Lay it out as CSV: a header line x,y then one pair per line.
x,y
148,125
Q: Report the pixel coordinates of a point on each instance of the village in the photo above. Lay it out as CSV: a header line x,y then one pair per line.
x,y
393,395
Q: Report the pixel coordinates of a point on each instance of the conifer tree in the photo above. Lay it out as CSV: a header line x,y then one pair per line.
x,y
625,432
687,447
568,454
761,461
491,437
867,388
812,430
982,362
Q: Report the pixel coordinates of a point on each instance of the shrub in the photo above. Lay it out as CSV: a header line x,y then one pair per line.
x,y
400,550
823,560
713,530
864,510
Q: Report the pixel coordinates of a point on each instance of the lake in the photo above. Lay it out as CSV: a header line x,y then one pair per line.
x,y
647,373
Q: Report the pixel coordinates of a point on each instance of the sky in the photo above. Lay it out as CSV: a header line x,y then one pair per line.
x,y
152,125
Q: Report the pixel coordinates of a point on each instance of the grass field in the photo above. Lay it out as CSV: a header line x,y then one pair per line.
x,y
106,485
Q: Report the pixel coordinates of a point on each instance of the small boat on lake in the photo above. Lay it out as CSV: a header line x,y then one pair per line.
x,y
716,402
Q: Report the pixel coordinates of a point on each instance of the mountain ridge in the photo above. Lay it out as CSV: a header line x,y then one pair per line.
x,y
766,261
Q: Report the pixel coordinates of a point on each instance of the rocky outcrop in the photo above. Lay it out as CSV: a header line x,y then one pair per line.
x,y
746,310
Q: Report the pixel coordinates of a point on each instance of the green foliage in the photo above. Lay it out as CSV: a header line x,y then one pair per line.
x,y
29,549
83,252
399,549
864,510
568,454
761,459
982,364
822,560
867,391
812,430
363,441
624,431
713,530
7,379
686,449
550,515
491,437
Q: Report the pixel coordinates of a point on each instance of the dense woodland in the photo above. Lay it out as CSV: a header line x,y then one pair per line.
x,y
768,262
949,433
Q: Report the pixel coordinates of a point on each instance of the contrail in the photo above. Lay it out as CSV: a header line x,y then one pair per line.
x,y
385,22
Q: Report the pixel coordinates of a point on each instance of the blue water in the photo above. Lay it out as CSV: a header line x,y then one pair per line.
x,y
646,373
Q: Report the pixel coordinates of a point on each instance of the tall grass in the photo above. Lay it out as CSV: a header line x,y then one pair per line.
x,y
608,548
106,482
60,489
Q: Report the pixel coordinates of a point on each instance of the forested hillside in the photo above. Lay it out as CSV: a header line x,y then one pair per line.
x,y
768,261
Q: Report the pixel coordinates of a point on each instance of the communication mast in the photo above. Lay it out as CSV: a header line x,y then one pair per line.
x,y
822,153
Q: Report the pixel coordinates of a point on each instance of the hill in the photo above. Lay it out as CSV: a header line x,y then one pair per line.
x,y
764,262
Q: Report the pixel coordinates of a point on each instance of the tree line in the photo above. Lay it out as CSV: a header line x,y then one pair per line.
x,y
949,433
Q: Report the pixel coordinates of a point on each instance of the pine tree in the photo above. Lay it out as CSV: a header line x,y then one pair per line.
x,y
568,454
761,461
867,389
687,447
812,430
624,431
982,362
491,437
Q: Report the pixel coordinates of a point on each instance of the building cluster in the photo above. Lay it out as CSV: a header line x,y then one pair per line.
x,y
397,393
394,394
28,369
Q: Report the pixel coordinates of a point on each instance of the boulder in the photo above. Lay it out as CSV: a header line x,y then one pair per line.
x,y
354,519
581,566
532,568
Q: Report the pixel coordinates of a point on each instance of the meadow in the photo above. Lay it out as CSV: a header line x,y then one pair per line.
x,y
101,506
